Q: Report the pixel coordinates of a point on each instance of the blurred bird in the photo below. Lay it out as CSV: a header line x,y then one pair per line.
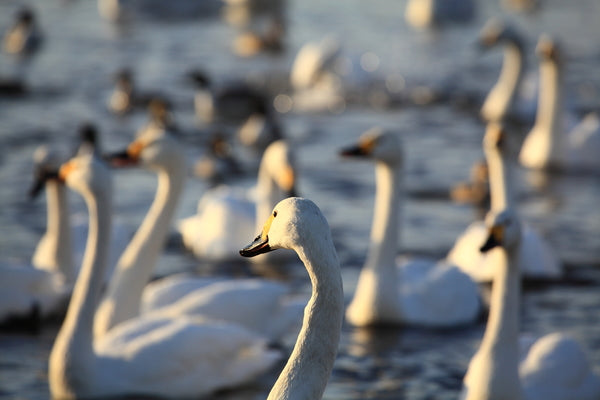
x,y
433,13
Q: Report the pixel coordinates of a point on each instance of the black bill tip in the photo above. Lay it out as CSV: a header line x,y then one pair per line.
x,y
489,244
258,246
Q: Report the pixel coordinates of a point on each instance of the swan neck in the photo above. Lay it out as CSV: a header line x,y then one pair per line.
x,y
308,369
512,71
138,261
386,216
73,346
55,251
500,171
549,103
502,330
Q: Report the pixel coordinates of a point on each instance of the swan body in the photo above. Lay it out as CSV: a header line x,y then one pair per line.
x,y
426,13
498,370
157,150
226,213
154,356
504,98
416,292
535,257
299,225
547,145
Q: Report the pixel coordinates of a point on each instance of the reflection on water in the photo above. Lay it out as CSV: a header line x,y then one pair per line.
x,y
406,89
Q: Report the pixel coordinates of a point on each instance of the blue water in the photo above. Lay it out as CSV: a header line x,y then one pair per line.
x,y
71,80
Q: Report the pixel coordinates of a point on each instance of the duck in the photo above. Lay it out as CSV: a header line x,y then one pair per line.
x,y
260,129
506,98
422,14
548,146
476,190
125,98
499,370
419,292
298,224
537,260
268,40
24,38
154,356
219,163
231,103
236,210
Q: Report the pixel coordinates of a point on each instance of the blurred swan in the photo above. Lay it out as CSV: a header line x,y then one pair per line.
x,y
555,367
155,356
226,215
548,145
298,224
417,292
536,258
230,103
315,84
157,150
506,98
428,13
126,10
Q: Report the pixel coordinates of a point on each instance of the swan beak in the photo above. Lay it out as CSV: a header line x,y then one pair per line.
x,y
353,151
494,239
126,158
260,245
42,175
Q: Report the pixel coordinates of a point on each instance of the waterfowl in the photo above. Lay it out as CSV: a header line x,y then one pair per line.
x,y
548,145
498,370
260,129
506,99
234,212
299,225
125,97
152,356
24,38
536,258
119,11
429,13
269,40
415,292
475,191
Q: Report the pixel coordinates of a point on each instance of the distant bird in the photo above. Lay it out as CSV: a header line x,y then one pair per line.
x,y
476,190
231,103
125,97
551,145
506,99
389,291
119,11
260,129
24,38
269,40
298,224
432,13
500,369
218,163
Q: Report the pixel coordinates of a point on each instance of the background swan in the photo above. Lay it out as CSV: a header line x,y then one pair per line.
x,y
506,98
226,215
428,13
496,371
549,144
536,258
298,224
157,356
418,292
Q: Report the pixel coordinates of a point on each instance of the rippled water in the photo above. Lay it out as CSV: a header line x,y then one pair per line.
x,y
70,83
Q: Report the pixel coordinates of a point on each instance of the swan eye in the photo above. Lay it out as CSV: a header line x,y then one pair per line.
x,y
274,214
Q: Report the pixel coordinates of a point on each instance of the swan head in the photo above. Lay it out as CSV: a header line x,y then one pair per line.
x,y
279,163
547,49
46,164
88,137
495,137
377,144
504,230
295,222
86,174
495,32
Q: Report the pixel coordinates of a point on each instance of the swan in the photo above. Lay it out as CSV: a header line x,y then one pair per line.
x,y
157,150
226,214
537,259
547,146
153,356
555,367
417,292
427,13
298,224
506,98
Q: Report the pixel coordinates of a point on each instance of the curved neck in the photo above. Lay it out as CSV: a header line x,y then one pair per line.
x,y
308,369
500,180
73,347
386,217
54,252
549,104
137,263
